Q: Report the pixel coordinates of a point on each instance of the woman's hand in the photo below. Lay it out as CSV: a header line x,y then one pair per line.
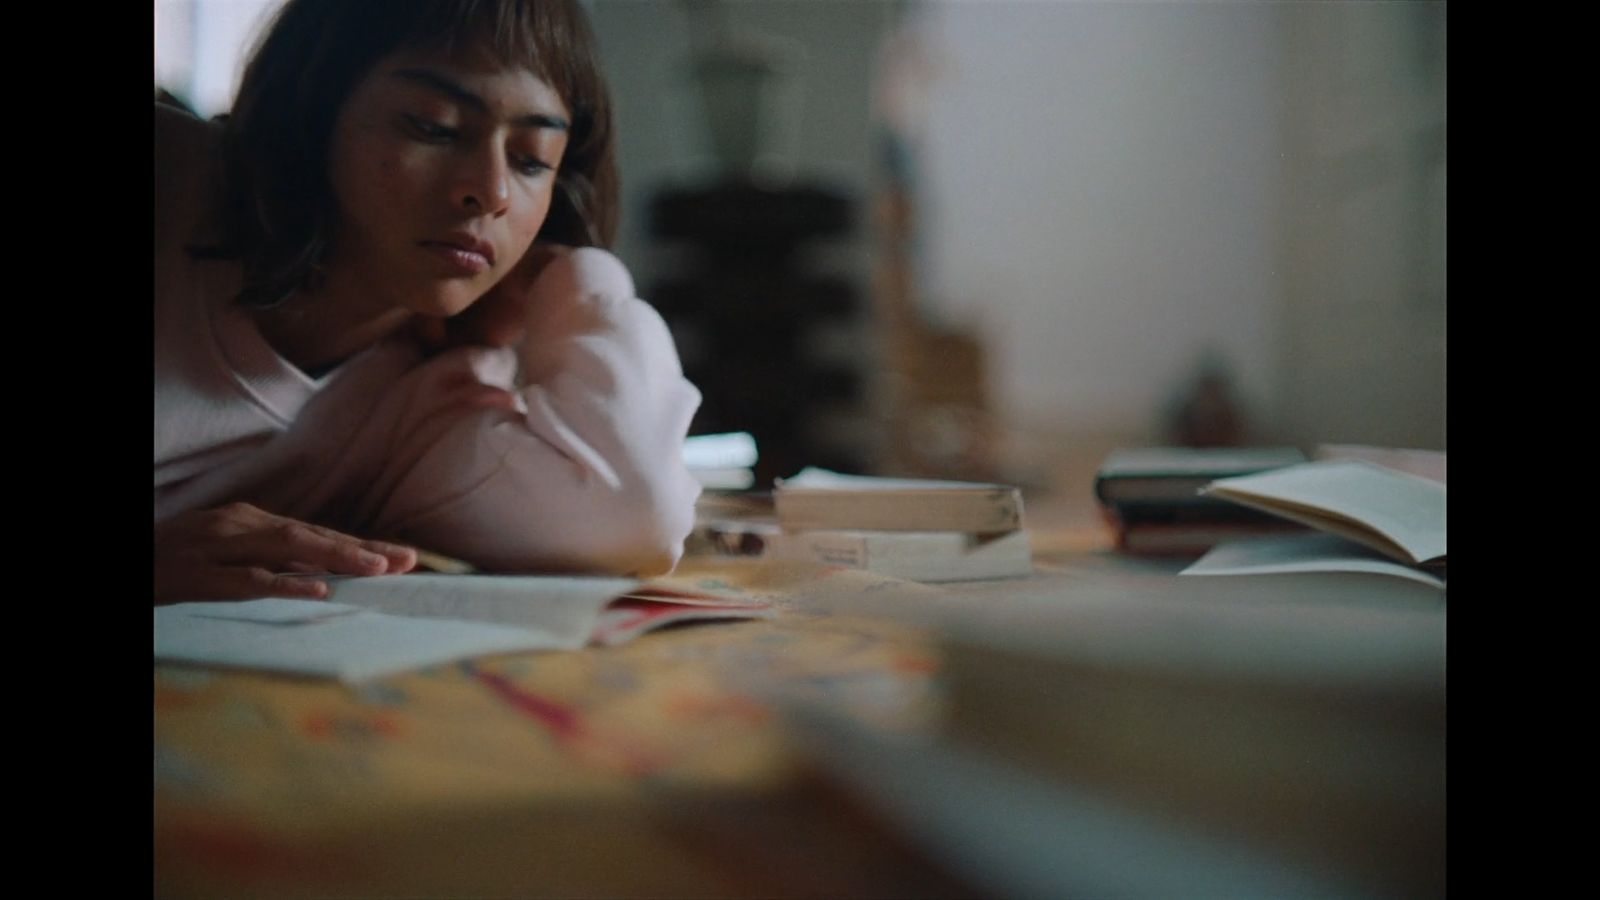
x,y
499,317
236,552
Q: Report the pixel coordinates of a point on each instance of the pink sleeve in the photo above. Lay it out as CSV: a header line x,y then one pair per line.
x,y
589,477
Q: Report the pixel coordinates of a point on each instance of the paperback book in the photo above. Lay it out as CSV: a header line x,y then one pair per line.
x,y
818,498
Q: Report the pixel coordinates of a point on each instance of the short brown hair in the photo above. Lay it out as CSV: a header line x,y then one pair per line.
x,y
280,210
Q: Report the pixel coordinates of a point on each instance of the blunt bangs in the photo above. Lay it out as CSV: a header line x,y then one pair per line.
x,y
308,62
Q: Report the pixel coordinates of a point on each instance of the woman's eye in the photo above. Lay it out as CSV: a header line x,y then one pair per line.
x,y
429,130
529,165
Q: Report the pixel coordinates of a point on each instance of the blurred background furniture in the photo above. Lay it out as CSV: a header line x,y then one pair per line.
x,y
746,311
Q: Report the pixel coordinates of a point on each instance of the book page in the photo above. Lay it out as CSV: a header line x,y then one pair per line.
x,y
326,640
1301,553
1407,511
552,604
812,478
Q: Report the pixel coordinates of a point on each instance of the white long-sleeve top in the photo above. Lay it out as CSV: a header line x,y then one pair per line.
x,y
586,474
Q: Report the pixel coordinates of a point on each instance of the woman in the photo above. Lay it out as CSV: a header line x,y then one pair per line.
x,y
382,310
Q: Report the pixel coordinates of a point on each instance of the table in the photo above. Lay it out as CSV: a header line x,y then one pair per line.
x,y
642,770
659,768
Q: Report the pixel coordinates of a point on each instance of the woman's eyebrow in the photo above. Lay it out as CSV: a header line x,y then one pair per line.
x,y
443,85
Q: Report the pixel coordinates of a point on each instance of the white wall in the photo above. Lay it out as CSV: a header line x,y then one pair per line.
x,y
1101,191
1363,248
201,47
1114,188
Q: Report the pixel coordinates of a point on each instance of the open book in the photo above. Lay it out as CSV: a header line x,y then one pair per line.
x,y
1401,516
388,624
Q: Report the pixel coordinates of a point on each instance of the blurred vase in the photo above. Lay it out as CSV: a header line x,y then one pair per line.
x,y
734,85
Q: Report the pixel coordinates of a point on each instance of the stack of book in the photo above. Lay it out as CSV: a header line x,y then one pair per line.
x,y
919,529
721,462
1151,497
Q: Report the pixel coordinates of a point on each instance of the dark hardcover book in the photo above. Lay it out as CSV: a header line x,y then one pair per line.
x,y
1145,477
1194,538
1211,512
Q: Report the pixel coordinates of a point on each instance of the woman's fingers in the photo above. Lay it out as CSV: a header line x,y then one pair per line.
x,y
256,581
277,585
203,581
400,558
487,395
241,551
287,543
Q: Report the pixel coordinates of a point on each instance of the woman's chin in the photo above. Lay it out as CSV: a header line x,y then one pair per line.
x,y
445,303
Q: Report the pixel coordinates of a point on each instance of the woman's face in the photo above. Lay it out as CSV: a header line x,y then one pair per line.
x,y
443,170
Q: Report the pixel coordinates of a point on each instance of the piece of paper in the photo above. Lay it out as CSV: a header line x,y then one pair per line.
x,y
387,624
274,610
1302,553
564,608
283,635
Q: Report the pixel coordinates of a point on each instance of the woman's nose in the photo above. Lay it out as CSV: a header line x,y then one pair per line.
x,y
483,185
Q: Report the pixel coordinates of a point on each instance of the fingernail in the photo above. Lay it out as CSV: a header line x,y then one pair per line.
x,y
372,560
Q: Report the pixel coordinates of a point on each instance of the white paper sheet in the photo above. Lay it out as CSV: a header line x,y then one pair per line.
x,y
1302,553
565,608
386,624
327,640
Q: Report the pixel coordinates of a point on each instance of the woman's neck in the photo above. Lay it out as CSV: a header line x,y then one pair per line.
x,y
318,330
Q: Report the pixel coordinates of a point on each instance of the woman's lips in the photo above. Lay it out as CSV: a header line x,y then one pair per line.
x,y
464,259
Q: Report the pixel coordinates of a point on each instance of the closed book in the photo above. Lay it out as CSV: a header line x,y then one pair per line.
x,y
819,499
728,479
1193,538
933,556
1210,511
1175,475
